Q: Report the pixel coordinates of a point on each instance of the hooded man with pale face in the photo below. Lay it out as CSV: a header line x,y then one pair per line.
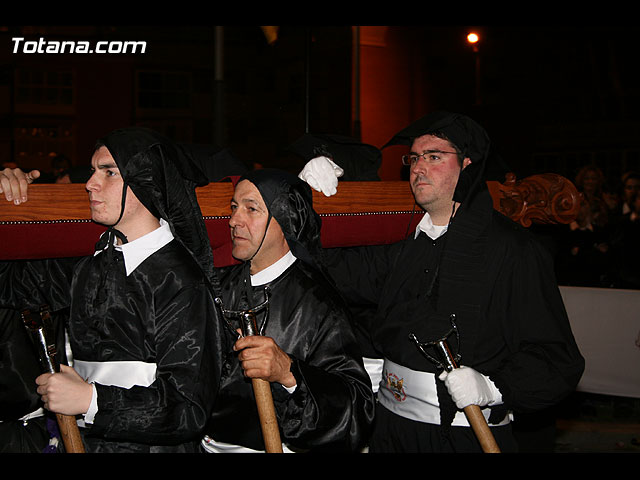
x,y
143,327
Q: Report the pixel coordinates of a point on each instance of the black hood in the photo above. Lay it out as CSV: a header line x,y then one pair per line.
x,y
163,178
470,138
290,201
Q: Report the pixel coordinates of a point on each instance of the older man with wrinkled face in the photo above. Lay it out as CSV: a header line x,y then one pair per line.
x,y
308,351
248,223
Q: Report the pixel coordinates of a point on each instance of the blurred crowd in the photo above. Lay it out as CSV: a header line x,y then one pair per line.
x,y
601,247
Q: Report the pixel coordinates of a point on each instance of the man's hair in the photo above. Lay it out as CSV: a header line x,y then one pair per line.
x,y
443,136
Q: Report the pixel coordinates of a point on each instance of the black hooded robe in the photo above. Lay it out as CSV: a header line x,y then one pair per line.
x,y
162,314
522,339
493,276
332,406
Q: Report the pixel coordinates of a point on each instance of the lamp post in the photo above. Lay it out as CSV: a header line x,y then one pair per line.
x,y
473,39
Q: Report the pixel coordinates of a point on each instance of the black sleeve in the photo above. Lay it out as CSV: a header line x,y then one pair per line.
x,y
31,284
545,364
333,405
177,404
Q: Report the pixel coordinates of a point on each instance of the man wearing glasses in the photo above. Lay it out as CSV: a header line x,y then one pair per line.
x,y
468,275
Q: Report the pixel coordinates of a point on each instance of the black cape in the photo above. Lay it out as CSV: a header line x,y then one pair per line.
x,y
487,271
332,406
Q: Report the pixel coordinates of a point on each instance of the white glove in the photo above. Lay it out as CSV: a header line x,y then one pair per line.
x,y
469,387
322,175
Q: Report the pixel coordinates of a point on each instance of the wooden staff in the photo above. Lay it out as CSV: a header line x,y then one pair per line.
x,y
473,413
37,326
262,393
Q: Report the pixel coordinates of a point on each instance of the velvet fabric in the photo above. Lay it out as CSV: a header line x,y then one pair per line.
x,y
53,240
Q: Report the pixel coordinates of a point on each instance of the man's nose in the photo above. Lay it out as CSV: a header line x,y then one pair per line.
x,y
419,166
235,219
91,184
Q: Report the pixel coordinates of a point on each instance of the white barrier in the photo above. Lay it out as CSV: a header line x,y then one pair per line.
x,y
606,326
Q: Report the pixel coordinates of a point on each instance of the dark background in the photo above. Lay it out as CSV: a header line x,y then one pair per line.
x,y
553,98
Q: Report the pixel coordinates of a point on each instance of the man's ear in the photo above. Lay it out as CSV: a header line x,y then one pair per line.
x,y
465,162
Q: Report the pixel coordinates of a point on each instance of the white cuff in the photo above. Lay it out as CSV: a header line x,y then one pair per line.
x,y
290,389
93,406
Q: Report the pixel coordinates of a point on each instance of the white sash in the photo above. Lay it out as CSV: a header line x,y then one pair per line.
x,y
412,394
124,374
212,446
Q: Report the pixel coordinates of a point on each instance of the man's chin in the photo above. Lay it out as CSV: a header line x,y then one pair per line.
x,y
422,199
240,254
100,221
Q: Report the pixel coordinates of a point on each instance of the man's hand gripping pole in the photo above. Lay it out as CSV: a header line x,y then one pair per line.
x,y
449,361
261,388
39,327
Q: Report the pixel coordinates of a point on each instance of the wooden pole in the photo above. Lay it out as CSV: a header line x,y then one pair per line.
x,y
38,326
264,398
473,413
267,415
481,429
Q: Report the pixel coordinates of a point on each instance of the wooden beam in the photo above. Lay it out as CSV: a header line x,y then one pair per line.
x,y
56,220
58,202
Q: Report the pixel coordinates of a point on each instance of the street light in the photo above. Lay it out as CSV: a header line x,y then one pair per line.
x,y
473,39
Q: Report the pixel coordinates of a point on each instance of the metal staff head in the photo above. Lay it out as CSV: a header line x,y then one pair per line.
x,y
248,317
40,327
446,359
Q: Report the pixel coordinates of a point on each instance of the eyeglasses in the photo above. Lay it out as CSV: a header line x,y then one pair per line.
x,y
430,156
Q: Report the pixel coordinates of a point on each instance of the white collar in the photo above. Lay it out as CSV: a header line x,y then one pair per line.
x,y
433,231
273,271
138,250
